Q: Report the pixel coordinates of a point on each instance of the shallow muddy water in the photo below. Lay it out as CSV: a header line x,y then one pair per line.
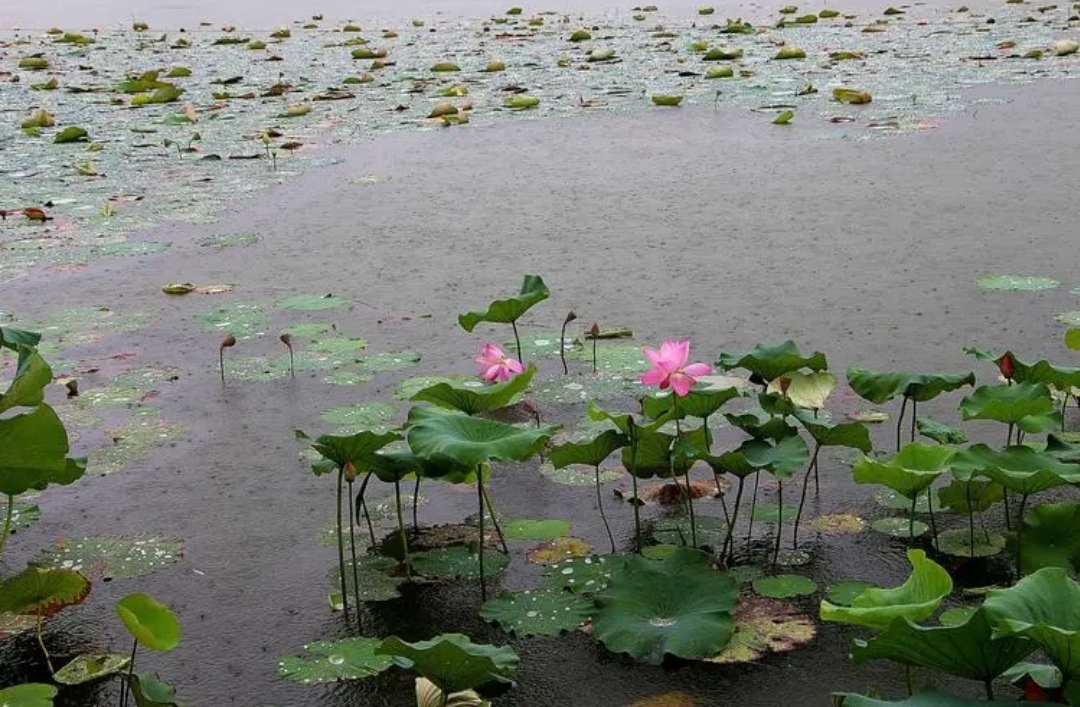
x,y
706,223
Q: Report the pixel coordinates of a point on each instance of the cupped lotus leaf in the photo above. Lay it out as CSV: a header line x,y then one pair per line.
x,y
472,440
1018,283
473,400
719,72
1048,677
1026,405
12,338
764,626
940,432
42,592
445,67
763,427
660,99
958,543
924,698
529,529
165,94
593,451
539,612
854,435
581,35
790,52
89,667
639,613
72,133
971,495
916,599
358,449
32,375
784,586
1018,468
113,557
1045,608
149,621
768,362
844,592
581,575
966,650
505,311
28,695
921,387
330,661
804,390
781,459
853,96
1050,538
698,403
454,663
723,54
395,466
899,527
457,562
910,472
520,101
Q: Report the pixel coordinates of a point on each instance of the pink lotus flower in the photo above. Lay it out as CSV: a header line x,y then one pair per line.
x,y
496,365
670,369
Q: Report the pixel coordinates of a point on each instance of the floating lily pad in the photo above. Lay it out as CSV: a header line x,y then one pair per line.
x,y
89,667
558,550
131,442
770,513
257,369
614,357
128,249
305,331
375,583
745,574
793,558
330,661
337,346
958,542
113,557
888,498
541,612
347,378
584,575
580,388
12,624
784,586
1017,283
764,626
581,474
390,361
839,524
899,527
228,241
528,529
843,593
361,416
243,320
457,562
543,345
24,516
311,303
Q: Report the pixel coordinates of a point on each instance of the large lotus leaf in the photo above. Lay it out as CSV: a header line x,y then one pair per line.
x,y
389,466
916,599
457,562
42,592
454,663
733,462
329,661
971,496
27,388
804,390
828,434
473,400
89,667
698,403
762,427
1044,607
1051,538
592,452
15,338
472,440
966,650
358,449
505,311
624,422
538,612
149,691
33,452
881,387
771,362
649,454
28,695
1060,377
924,698
781,459
678,605
149,621
910,472
1018,468
582,575
1026,405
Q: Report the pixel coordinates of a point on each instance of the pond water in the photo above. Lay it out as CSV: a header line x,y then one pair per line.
x,y
706,221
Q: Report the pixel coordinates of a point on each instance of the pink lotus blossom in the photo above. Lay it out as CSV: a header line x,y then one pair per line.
x,y
496,365
670,369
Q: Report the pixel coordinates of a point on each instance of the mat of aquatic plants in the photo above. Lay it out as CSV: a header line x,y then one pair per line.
x,y
104,132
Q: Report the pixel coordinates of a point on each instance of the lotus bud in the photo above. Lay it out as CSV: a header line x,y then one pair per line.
x,y
1007,366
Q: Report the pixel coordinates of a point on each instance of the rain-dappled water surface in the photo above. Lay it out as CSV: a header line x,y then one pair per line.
x,y
706,221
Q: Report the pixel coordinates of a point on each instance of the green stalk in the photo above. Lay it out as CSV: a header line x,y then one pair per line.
x,y
779,518
1020,537
495,522
517,340
361,505
415,503
633,472
480,503
131,671
401,529
911,519
753,508
686,472
594,354
899,422
8,515
933,522
355,570
971,520
1008,515
731,523
341,545
914,417
805,487
562,342
600,507
41,642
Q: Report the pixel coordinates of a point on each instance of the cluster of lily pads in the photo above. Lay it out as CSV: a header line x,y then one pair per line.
x,y
674,593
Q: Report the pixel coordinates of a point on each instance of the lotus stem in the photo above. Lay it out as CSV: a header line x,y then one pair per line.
x,y
480,503
779,519
415,503
286,339
989,684
1008,435
1064,404
131,671
753,509
594,331
341,545
562,344
600,507
899,422
727,518
1008,515
41,642
686,473
914,417
517,342
1020,538
401,530
908,681
802,501
911,519
8,515
228,342
633,470
734,519
355,569
367,519
933,522
971,520
360,504
495,521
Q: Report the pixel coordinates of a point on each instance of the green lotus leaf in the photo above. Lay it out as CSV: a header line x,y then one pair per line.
x,y
1045,608
910,472
89,667
640,614
1061,377
770,362
1072,339
649,455
507,311
540,612
844,592
966,650
1017,283
358,449
593,451
1026,405
784,586
33,452
1050,538
113,557
330,661
940,432
395,466
699,403
881,387
311,303
733,462
150,622
28,695
581,575
72,133
42,592
473,400
539,530
804,390
454,663
916,599
149,691
11,338
376,584
1018,468
27,388
900,527
661,99
971,496
471,440
457,562
763,427
771,513
854,435
961,542
925,698
1048,677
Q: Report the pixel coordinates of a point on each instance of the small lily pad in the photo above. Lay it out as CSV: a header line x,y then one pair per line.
x,y
361,416
580,474
888,498
390,361
745,574
839,524
375,583
1017,283
676,530
529,529
540,612
311,303
958,542
784,586
543,345
558,550
330,661
843,593
24,516
113,557
131,442
89,667
129,249
581,388
614,357
411,386
872,417
1069,318
899,527
457,562
243,320
584,575
771,513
